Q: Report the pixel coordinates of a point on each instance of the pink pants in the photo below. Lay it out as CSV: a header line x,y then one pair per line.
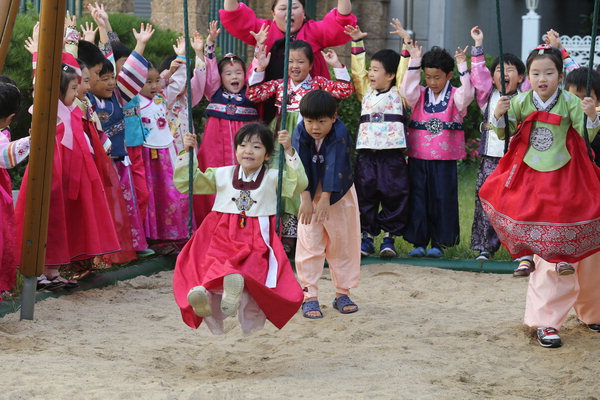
x,y
550,296
337,240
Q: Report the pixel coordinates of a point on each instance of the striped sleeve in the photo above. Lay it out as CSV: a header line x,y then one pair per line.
x,y
132,77
14,152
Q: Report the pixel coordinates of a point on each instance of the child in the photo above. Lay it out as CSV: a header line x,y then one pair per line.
x,y
329,218
166,218
488,88
299,84
80,224
546,157
435,141
381,170
229,109
11,153
236,253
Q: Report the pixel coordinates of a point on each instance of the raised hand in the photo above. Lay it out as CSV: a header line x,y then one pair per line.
x,y
198,44
331,58
32,42
261,35
88,31
477,35
100,16
354,32
415,50
461,55
262,58
70,20
145,33
213,32
399,30
553,39
179,46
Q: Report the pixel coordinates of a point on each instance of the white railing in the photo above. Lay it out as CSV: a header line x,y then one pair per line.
x,y
579,47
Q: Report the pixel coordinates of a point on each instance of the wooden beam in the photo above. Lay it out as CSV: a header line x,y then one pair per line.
x,y
8,14
43,132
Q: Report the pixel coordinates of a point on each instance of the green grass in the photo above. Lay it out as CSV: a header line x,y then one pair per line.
x,y
467,175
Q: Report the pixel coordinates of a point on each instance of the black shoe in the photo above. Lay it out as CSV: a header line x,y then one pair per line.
x,y
594,327
548,337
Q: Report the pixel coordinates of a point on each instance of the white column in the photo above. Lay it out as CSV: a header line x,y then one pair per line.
x,y
531,30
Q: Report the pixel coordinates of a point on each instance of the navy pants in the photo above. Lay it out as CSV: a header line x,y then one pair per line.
x,y
381,180
433,203
483,235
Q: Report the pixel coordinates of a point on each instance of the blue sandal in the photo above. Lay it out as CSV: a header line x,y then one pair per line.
x,y
344,301
309,306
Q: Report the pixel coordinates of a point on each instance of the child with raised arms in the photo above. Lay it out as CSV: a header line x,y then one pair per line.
x,y
235,261
436,140
329,223
381,171
547,158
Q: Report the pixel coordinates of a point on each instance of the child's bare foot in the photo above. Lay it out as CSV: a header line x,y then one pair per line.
x,y
343,304
311,309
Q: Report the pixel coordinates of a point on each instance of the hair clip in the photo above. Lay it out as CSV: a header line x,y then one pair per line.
x,y
542,47
231,56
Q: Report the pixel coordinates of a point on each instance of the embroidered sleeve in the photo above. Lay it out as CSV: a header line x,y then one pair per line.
x,y
14,152
132,77
263,91
481,78
198,82
359,72
204,182
213,78
175,85
71,41
338,89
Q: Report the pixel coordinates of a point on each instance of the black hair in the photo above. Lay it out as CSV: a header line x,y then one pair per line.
x,y
90,53
166,62
120,50
318,104
230,59
389,59
438,58
578,79
151,65
263,132
67,75
551,53
509,59
82,64
304,46
107,68
10,97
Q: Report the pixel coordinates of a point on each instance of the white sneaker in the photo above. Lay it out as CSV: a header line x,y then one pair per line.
x,y
233,285
198,299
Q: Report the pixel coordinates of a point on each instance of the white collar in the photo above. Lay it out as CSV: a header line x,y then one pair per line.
x,y
251,178
545,104
294,87
435,100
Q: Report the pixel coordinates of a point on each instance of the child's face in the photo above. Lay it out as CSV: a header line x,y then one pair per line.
x,y
152,84
280,15
581,93
299,66
436,79
71,93
544,77
320,127
233,77
251,154
378,78
105,85
84,86
511,78
94,74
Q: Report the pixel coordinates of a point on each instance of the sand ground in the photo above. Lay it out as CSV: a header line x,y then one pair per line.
x,y
421,333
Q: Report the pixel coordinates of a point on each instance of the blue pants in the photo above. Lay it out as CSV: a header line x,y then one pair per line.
x,y
381,180
433,205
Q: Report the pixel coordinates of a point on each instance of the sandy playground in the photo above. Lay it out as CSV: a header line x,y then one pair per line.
x,y
421,333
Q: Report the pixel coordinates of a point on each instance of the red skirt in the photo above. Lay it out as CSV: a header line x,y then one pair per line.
x,y
555,214
220,247
8,251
